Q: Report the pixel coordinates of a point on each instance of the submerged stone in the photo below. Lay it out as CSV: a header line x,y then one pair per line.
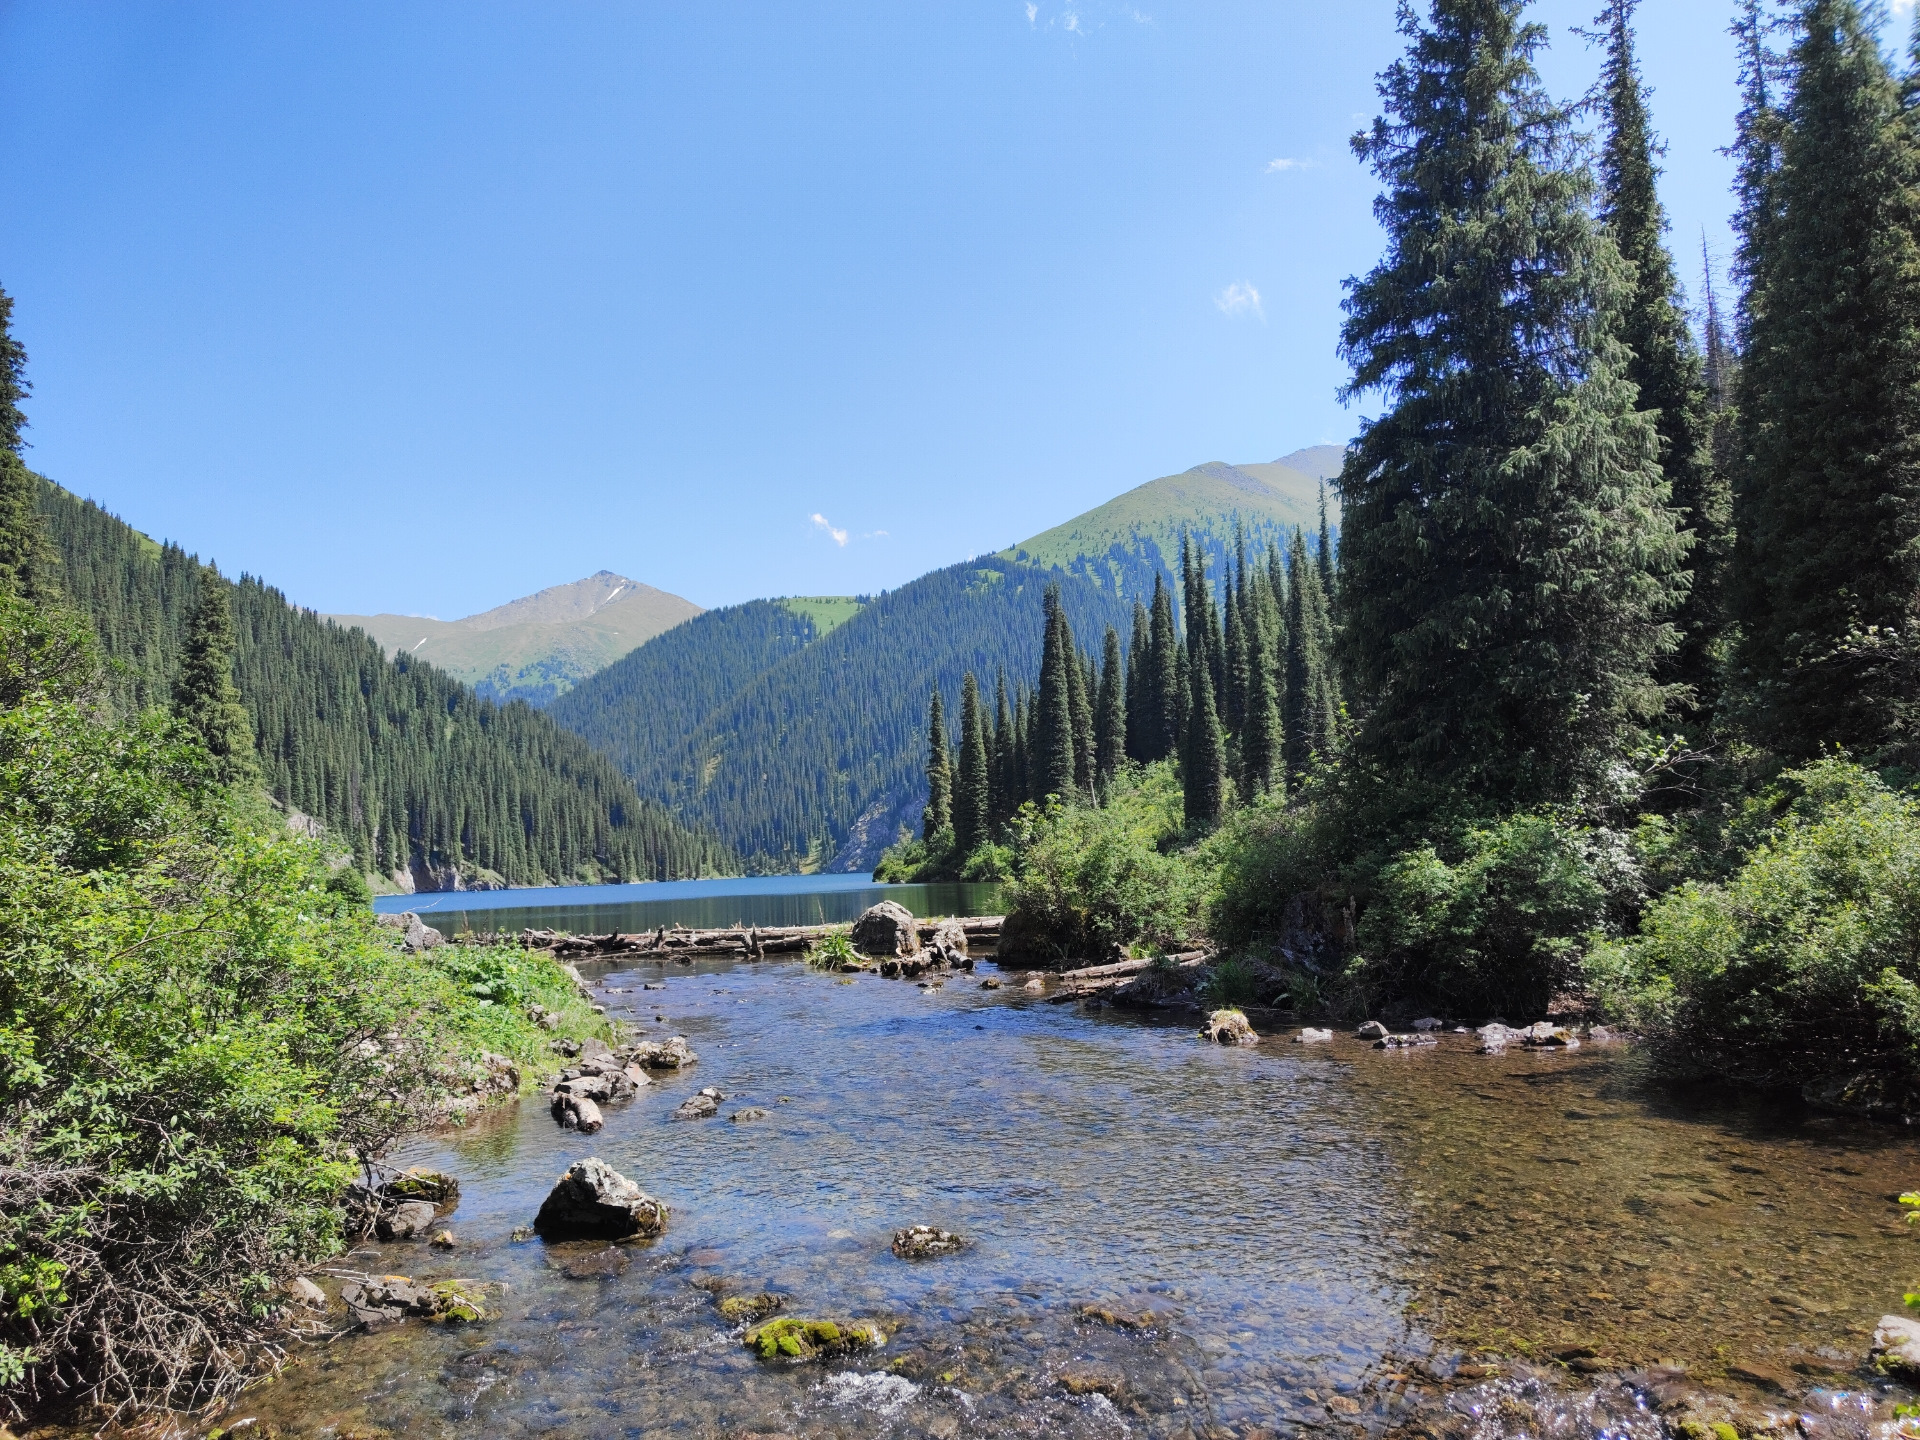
x,y
1228,1027
1896,1347
749,1308
1310,1036
671,1054
797,1338
926,1242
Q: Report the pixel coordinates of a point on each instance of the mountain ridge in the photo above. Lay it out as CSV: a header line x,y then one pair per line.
x,y
539,646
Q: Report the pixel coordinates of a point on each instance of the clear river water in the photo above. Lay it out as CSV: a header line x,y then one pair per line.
x,y
1170,1238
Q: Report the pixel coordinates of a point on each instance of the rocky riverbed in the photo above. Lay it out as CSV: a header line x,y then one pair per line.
x,y
1152,1235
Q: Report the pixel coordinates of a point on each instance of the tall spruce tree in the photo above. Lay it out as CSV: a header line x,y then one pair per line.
x,y
1508,560
937,818
1260,738
1323,556
1828,506
1311,704
1665,362
1163,680
14,387
1204,764
1080,706
205,696
1110,721
1138,664
970,784
1003,790
1054,748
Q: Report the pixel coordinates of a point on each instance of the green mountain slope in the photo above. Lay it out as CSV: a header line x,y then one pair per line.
x,y
539,646
424,781
1122,543
804,749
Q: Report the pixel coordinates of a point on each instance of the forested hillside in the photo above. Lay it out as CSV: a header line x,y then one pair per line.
x,y
1136,536
402,763
803,751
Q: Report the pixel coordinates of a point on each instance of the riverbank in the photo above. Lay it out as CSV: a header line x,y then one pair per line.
x,y
1169,1238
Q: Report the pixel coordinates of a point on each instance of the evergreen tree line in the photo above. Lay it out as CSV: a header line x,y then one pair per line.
x,y
1244,696
811,752
1579,523
402,764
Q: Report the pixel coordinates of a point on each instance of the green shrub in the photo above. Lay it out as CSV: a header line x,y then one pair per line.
x,y
1092,881
199,1043
1275,874
1500,927
1806,961
1230,984
834,951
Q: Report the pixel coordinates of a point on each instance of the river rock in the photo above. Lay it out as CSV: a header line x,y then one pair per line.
x,y
746,1309
1896,1347
1406,1042
584,1087
927,1242
415,933
700,1106
382,1299
1548,1036
795,1338
408,1221
595,1201
671,1054
990,983
1495,1037
1310,1036
1080,1377
752,1112
417,1182
303,1291
1372,1030
576,1112
1427,1022
1228,1027
886,931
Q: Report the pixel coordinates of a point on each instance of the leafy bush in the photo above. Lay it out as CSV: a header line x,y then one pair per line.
x,y
1275,878
1499,927
1230,984
1092,881
834,952
1806,962
199,1043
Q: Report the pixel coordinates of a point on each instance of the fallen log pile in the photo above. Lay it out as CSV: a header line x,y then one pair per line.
x,y
1105,979
681,943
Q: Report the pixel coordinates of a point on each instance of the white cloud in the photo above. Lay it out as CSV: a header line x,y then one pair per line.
x,y
1142,19
839,536
1070,22
1239,298
1033,13
1900,7
1283,164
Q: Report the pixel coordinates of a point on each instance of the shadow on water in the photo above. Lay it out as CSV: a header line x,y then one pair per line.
x,y
1170,1238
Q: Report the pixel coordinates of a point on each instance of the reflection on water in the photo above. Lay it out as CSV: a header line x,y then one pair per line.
x,y
1295,1224
767,900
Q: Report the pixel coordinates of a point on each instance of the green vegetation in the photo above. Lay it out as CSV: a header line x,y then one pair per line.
x,y
1559,726
201,1041
404,765
802,748
1802,963
827,612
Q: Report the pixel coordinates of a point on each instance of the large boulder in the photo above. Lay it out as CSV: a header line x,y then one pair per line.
x,y
886,930
927,1242
593,1201
415,933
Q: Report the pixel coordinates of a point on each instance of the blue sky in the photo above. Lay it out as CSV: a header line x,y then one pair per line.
x,y
423,307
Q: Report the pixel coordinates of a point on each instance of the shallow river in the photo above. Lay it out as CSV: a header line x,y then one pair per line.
x,y
1308,1230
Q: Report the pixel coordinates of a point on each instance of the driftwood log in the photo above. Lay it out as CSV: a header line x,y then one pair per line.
x,y
1101,979
752,941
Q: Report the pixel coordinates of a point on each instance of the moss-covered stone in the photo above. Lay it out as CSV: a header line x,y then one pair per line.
x,y
742,1308
457,1302
796,1337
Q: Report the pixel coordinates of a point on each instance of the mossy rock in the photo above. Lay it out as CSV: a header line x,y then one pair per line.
x,y
796,1337
747,1308
437,1188
457,1302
